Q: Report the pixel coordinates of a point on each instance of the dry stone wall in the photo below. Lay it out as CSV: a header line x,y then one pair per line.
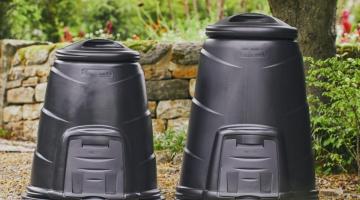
x,y
170,71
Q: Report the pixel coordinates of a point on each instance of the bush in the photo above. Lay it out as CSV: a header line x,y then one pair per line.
x,y
335,112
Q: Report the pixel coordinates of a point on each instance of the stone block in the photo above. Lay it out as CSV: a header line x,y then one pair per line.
x,y
167,89
155,54
31,81
159,125
156,72
30,71
152,108
150,51
30,129
31,111
21,95
43,71
40,91
179,124
183,71
52,57
18,58
43,79
37,54
12,113
192,87
13,84
159,70
16,73
11,45
173,109
9,48
186,53
15,128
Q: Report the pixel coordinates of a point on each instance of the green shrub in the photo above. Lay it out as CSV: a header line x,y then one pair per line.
x,y
335,112
171,141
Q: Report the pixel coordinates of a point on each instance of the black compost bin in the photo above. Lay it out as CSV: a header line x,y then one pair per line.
x,y
249,134
95,132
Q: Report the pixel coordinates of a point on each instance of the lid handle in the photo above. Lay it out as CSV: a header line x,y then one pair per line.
x,y
101,43
252,18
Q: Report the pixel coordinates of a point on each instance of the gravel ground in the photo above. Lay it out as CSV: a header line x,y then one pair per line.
x,y
15,169
15,173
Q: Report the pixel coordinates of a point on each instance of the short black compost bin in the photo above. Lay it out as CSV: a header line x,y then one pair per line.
x,y
95,134
249,134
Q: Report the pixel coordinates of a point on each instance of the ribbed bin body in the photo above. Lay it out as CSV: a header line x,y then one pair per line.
x,y
249,133
95,132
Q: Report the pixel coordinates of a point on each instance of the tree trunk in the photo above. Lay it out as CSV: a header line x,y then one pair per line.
x,y
220,5
208,6
195,8
315,20
170,7
186,9
242,5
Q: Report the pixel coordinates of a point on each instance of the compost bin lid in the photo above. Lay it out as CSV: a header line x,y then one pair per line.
x,y
97,50
251,26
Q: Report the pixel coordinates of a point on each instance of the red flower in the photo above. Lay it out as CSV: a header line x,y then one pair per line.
x,y
109,27
67,35
81,34
345,22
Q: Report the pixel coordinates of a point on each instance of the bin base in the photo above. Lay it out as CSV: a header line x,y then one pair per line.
x,y
34,193
184,193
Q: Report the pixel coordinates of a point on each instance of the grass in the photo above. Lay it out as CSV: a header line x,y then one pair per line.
x,y
171,141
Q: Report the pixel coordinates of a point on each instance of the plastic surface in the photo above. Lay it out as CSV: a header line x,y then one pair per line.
x,y
251,26
95,134
97,50
245,161
249,132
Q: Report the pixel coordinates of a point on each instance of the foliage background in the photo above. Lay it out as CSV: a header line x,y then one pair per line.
x,y
147,19
335,114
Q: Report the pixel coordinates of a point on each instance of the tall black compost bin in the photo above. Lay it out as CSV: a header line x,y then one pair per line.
x,y
249,134
95,134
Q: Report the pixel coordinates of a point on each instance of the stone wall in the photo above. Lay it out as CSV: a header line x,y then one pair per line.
x,y
170,71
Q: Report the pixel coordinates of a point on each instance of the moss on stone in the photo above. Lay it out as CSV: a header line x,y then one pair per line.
x,y
20,56
348,50
38,54
142,46
186,53
61,45
35,54
40,47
